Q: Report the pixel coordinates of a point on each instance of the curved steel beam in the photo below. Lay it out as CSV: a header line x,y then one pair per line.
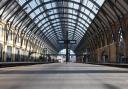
x,y
57,26
59,13
62,18
29,23
42,4
60,25
66,28
62,22
21,8
28,1
94,2
6,3
60,8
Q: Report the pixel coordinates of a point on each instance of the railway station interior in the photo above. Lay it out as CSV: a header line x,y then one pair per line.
x,y
63,44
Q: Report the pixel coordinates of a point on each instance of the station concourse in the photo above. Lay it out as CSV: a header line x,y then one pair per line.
x,y
33,32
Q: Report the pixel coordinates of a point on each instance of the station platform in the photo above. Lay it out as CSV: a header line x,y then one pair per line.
x,y
121,65
14,64
63,76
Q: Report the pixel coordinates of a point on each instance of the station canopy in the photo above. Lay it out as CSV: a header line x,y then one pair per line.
x,y
56,17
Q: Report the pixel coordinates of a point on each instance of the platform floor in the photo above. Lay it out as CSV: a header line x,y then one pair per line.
x,y
64,76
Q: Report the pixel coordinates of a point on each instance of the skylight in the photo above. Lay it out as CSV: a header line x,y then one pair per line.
x,y
55,16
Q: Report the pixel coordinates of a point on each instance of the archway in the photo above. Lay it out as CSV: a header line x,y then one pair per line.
x,y
61,57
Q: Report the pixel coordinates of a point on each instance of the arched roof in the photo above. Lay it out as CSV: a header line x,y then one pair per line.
x,y
50,19
110,16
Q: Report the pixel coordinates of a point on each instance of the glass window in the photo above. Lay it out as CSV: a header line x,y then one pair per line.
x,y
48,6
68,3
9,35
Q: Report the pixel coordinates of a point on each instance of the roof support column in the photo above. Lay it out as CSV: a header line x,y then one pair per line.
x,y
67,57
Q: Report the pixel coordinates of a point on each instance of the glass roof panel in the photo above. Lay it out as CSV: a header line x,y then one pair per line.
x,y
55,15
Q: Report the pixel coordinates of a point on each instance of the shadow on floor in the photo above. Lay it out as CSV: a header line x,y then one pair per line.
x,y
61,71
110,86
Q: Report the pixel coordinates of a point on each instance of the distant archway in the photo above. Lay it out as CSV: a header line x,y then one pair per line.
x,y
62,56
